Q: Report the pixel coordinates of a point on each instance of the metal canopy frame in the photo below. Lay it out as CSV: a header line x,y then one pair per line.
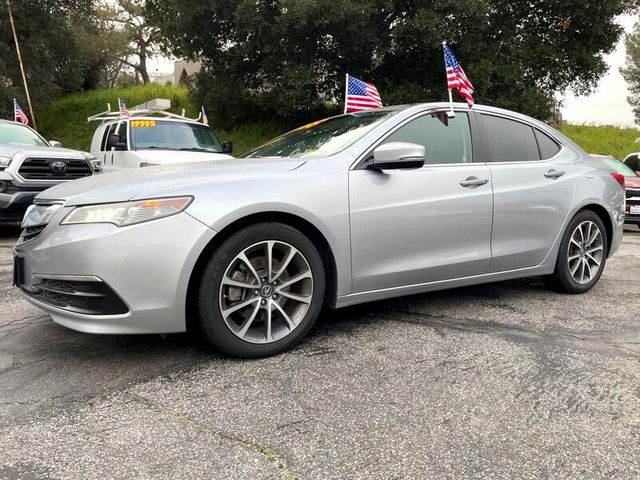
x,y
108,114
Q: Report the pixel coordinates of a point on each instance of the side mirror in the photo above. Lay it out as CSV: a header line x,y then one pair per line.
x,y
55,144
398,155
114,142
227,147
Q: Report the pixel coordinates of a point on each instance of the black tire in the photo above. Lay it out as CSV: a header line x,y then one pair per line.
x,y
212,325
561,280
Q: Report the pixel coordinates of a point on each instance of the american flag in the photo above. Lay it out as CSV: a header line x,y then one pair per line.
x,y
456,78
19,114
205,119
123,108
361,95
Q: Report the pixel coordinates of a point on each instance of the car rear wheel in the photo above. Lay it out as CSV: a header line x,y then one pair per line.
x,y
582,255
261,291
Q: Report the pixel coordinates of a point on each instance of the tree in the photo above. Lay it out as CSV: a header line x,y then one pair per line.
x,y
140,37
289,57
632,71
64,49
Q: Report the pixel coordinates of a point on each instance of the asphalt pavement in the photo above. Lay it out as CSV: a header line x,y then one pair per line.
x,y
506,380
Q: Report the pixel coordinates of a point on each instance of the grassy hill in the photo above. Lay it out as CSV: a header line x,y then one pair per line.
x,y
618,142
65,120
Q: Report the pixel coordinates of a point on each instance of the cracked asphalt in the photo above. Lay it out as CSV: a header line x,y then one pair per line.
x,y
506,380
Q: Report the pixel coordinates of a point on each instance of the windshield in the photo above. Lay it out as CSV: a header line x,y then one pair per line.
x,y
323,138
151,133
17,134
619,167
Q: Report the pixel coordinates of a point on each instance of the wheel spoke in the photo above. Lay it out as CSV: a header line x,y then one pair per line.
x,y
296,297
290,322
594,249
575,269
238,306
285,263
573,257
269,334
243,257
587,267
249,321
593,259
235,283
292,280
575,242
269,265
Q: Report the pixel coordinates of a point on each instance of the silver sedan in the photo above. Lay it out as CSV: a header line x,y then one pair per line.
x,y
354,208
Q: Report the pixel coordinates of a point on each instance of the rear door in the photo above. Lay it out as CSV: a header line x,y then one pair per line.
x,y
428,224
533,183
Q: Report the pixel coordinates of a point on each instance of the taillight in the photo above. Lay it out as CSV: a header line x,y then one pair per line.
x,y
619,178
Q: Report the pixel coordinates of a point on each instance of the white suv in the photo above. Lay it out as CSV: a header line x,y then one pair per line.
x,y
140,141
29,164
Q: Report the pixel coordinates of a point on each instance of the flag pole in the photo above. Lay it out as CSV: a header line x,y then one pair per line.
x,y
346,91
24,77
15,118
451,113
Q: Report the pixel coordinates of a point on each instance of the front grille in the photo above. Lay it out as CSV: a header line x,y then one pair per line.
x,y
51,168
632,193
30,233
90,297
12,188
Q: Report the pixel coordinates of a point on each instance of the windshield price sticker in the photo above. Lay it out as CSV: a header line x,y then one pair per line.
x,y
143,123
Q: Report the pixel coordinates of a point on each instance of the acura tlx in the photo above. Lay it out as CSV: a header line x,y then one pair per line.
x,y
359,207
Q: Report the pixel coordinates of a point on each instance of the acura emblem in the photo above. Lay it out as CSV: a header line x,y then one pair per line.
x,y
58,167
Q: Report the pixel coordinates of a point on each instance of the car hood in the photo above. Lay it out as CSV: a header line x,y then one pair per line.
x,y
163,157
127,184
9,150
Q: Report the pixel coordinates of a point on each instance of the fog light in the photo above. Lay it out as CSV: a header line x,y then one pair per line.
x,y
3,186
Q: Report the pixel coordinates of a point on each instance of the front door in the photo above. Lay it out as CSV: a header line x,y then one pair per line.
x,y
533,183
423,225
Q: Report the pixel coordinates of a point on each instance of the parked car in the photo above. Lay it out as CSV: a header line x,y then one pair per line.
x,y
631,183
355,208
142,140
29,164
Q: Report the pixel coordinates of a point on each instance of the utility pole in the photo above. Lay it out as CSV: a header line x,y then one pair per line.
x,y
24,77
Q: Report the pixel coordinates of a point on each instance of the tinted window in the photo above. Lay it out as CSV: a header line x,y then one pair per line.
x,y
122,132
548,147
108,131
633,162
510,141
446,140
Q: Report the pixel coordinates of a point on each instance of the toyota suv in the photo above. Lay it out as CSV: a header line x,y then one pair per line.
x,y
29,164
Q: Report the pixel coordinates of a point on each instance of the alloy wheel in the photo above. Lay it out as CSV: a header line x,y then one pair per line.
x,y
585,252
266,291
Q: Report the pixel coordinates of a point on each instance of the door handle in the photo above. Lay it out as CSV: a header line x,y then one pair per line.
x,y
554,173
474,182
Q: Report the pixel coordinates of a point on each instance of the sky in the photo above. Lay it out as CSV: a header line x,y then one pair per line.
x,y
607,105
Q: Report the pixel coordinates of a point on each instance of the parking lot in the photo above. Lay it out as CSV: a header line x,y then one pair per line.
x,y
507,380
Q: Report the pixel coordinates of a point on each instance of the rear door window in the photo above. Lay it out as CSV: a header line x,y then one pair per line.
x,y
509,140
548,147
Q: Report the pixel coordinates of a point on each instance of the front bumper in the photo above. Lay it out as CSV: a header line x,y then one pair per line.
x,y
13,205
146,266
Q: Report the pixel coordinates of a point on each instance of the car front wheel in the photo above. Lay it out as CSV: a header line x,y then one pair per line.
x,y
261,291
582,255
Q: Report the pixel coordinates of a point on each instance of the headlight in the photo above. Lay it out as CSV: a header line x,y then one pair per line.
x,y
39,214
128,213
96,164
4,162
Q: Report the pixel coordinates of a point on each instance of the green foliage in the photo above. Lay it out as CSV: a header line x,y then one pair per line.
x,y
64,49
65,119
632,71
287,58
618,142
